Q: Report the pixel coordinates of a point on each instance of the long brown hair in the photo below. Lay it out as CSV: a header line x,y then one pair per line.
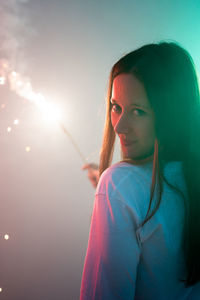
x,y
169,78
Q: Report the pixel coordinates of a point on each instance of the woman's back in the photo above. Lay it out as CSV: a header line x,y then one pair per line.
x,y
125,260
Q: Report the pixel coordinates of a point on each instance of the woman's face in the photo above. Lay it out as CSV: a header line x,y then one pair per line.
x,y
132,117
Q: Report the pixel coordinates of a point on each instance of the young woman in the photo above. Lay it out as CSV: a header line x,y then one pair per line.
x,y
144,240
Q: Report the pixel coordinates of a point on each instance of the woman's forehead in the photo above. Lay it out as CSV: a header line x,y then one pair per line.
x,y
128,89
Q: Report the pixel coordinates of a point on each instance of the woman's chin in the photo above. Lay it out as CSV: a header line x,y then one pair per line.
x,y
135,156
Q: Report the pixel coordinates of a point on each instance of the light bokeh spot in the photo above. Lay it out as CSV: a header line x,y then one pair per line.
x,y
28,149
2,80
6,237
16,122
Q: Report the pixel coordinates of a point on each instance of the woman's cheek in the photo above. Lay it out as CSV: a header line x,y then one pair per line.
x,y
113,120
150,130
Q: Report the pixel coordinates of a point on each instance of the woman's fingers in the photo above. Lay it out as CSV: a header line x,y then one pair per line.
x,y
90,166
93,173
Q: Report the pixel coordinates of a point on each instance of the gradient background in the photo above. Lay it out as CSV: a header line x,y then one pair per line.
x,y
67,48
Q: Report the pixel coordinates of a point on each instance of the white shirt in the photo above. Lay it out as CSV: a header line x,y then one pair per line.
x,y
125,260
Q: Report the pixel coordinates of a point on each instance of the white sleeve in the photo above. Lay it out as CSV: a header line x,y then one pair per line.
x,y
113,252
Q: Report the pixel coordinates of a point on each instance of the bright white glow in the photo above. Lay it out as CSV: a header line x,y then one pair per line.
x,y
9,129
28,149
19,83
2,80
16,122
1,289
6,237
14,73
51,112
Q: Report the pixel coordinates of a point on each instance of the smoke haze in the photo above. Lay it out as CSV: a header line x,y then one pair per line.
x,y
15,31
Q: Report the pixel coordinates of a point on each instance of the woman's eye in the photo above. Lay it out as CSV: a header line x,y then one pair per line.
x,y
116,108
138,112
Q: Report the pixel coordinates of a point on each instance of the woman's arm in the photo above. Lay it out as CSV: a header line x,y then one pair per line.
x,y
113,252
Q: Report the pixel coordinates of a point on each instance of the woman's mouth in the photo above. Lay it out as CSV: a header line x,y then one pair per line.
x,y
127,142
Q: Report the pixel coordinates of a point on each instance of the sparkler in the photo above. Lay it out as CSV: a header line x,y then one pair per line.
x,y
23,88
73,142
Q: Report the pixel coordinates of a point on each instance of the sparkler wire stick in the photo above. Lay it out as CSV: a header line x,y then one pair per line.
x,y
73,142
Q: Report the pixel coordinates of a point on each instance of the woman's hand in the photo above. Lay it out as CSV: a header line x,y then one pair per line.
x,y
93,173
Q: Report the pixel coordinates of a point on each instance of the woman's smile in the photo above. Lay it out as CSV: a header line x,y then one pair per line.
x,y
127,143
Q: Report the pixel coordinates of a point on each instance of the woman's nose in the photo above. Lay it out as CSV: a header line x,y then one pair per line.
x,y
122,126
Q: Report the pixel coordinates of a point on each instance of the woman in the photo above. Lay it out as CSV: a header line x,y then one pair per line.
x,y
144,240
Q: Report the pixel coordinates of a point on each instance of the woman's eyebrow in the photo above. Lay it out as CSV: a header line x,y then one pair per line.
x,y
132,104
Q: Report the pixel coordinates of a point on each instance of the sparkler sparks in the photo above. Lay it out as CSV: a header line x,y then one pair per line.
x,y
23,88
2,80
28,149
16,122
6,237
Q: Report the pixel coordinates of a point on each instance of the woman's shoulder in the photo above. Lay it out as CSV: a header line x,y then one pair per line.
x,y
123,168
124,176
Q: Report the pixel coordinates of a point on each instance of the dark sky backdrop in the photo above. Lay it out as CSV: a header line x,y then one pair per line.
x,y
67,49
